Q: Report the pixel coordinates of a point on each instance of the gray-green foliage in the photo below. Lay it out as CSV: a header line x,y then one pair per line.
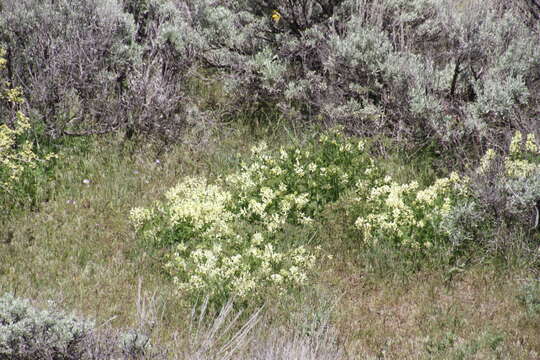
x,y
423,67
95,66
67,56
530,296
29,333
451,70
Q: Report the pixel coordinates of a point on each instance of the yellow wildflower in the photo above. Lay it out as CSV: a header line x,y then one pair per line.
x,y
276,16
515,145
530,144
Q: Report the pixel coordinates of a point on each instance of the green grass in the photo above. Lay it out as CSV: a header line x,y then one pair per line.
x,y
78,249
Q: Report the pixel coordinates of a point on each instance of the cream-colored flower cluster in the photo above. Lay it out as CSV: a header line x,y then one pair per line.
x,y
250,270
213,256
523,159
201,204
228,238
16,156
291,185
404,213
414,218
140,216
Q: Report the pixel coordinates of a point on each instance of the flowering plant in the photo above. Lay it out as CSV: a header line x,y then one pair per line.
x,y
228,238
406,214
17,154
503,193
292,185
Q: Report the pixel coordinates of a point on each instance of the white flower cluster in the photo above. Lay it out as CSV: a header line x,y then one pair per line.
x,y
202,205
292,185
414,217
211,257
523,161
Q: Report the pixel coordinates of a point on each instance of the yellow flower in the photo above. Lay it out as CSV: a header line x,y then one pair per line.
x,y
276,16
515,145
530,144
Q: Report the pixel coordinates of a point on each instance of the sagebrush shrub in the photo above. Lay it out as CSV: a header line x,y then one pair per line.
x,y
98,66
452,71
29,333
412,68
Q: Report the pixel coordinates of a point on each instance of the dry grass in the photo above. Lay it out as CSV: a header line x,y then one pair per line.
x,y
476,315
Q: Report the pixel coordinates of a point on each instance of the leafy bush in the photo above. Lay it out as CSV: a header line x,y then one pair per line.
x,y
293,185
237,238
214,256
406,215
491,206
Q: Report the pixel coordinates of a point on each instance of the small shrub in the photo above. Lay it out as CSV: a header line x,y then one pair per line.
x,y
293,185
530,296
28,333
134,344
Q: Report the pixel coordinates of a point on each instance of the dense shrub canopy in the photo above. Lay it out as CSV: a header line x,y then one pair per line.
x,y
449,70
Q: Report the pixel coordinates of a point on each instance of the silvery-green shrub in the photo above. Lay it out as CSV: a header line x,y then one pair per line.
x,y
452,71
30,333
96,66
449,70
